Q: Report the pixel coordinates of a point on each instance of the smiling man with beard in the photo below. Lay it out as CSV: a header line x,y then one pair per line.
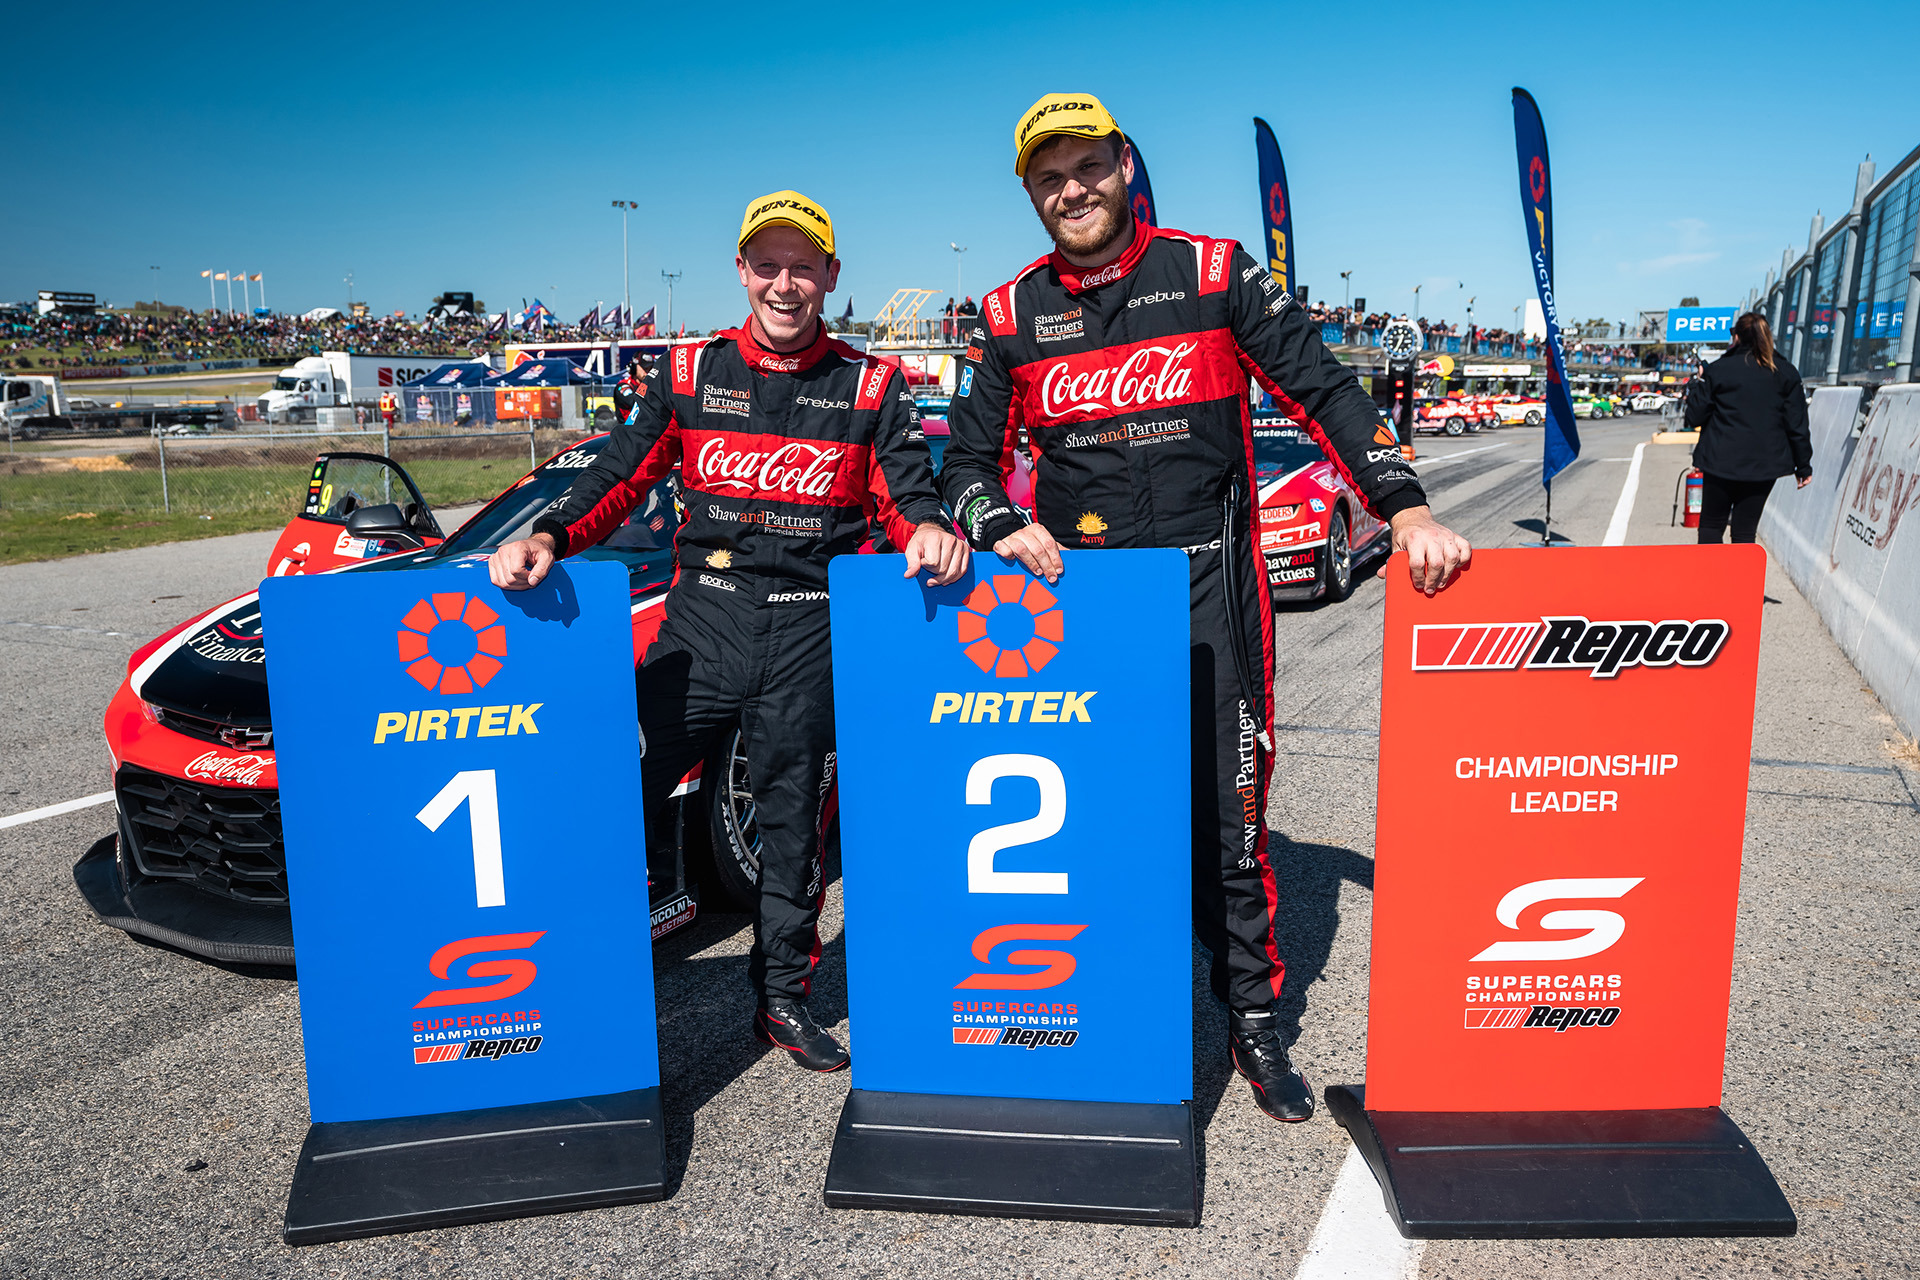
x,y
792,447
1125,354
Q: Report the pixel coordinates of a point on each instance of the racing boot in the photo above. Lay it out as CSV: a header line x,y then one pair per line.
x,y
1259,1055
787,1024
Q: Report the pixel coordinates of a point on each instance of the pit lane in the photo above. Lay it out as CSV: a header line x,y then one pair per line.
x,y
152,1105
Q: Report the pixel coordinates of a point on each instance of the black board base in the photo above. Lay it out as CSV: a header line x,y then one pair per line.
x,y
359,1178
1499,1175
1016,1158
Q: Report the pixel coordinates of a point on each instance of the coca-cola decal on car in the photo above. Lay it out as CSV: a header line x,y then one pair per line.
x,y
779,468
1141,377
248,770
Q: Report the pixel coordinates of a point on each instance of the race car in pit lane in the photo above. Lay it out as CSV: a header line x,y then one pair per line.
x,y
1314,529
1514,410
1450,415
198,861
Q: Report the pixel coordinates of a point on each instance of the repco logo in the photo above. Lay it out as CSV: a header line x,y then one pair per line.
x,y
1150,376
796,468
1603,928
1602,649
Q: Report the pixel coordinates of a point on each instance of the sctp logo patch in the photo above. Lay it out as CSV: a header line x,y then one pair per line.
x,y
1011,625
453,644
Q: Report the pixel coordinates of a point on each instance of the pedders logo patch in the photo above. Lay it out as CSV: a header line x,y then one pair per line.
x,y
1602,649
452,644
1011,625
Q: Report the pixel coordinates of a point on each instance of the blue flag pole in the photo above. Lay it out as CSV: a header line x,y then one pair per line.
x,y
1562,442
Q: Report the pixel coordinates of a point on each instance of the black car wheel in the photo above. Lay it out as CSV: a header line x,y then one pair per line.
x,y
733,871
1337,573
1535,417
1455,427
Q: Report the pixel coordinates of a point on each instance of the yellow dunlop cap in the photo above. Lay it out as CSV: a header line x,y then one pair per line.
x,y
1079,114
794,210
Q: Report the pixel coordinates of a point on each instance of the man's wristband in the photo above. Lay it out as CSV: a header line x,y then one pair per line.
x,y
555,530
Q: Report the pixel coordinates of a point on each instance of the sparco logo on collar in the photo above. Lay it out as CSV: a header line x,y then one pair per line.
x,y
790,468
1149,375
876,382
1604,649
994,309
681,369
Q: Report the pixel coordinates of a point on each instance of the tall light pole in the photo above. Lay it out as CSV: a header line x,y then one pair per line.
x,y
958,249
1346,286
156,284
349,295
670,277
626,286
1416,303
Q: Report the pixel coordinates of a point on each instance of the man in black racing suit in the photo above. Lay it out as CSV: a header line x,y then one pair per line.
x,y
791,445
1125,354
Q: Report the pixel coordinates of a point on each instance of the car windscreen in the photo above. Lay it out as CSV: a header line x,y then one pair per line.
x,y
511,515
1281,450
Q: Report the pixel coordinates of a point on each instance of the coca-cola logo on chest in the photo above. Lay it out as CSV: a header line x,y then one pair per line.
x,y
787,467
1149,376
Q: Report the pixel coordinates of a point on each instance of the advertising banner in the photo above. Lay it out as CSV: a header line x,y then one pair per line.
x,y
463,837
1015,841
1715,324
1140,190
1564,744
1562,443
1276,209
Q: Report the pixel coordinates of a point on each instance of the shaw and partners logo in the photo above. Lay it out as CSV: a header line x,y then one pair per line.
x,y
1603,649
452,644
1011,625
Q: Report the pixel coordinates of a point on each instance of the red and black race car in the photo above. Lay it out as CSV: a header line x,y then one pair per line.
x,y
1313,527
199,861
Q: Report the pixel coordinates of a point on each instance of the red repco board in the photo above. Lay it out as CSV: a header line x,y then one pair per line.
x,y
1564,740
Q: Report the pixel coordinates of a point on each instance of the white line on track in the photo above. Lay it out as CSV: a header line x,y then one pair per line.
x,y
1355,1239
1449,457
1623,509
55,810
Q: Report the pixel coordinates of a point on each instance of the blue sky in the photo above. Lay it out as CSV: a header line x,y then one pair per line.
x,y
480,147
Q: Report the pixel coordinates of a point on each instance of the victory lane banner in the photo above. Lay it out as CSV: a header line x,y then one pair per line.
x,y
466,864
1564,745
1015,845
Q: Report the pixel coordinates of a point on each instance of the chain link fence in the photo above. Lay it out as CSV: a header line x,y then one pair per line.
x,y
227,473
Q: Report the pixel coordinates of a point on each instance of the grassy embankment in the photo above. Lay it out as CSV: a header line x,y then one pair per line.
x,y
51,514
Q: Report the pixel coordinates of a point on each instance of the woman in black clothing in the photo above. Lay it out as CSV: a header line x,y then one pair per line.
x,y
1752,417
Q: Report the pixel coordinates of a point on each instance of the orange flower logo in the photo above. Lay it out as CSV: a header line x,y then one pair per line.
x,y
1011,626
453,644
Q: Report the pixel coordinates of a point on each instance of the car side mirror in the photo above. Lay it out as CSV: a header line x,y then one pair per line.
x,y
384,522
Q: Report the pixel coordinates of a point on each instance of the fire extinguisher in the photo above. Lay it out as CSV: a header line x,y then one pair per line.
x,y
1693,481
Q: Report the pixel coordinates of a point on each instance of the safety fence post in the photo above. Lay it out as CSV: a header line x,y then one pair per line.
x,y
166,501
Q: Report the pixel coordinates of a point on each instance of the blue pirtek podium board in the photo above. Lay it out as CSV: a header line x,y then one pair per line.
x,y
1014,792
466,861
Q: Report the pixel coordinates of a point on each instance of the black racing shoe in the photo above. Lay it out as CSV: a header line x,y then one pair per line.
x,y
1259,1055
786,1024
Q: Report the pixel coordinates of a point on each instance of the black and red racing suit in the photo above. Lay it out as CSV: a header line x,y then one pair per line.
x,y
1131,380
787,460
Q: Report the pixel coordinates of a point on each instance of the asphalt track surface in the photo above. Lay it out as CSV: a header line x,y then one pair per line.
x,y
151,1105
